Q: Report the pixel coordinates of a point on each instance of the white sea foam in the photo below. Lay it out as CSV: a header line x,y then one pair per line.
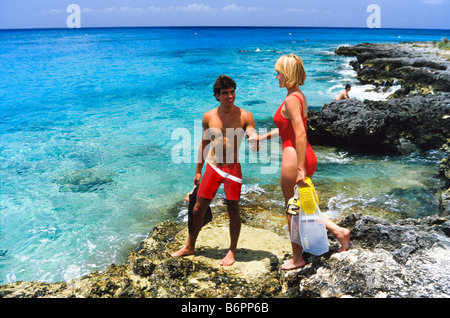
x,y
183,214
252,188
340,157
368,91
347,71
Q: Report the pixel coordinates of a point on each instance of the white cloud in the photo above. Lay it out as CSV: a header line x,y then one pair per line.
x,y
53,11
129,9
88,10
301,10
194,7
234,7
433,1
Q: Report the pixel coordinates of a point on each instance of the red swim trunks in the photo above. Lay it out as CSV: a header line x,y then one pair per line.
x,y
229,175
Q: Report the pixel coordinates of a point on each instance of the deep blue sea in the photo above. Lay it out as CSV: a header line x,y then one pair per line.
x,y
99,130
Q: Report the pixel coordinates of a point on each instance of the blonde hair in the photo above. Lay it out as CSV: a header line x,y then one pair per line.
x,y
291,66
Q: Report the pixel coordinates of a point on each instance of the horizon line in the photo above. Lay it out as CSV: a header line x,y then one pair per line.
x,y
212,26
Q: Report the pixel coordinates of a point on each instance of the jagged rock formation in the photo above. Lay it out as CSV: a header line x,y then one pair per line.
x,y
417,67
383,126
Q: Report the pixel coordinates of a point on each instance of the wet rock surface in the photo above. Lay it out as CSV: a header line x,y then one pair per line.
x,y
444,199
383,126
418,112
420,68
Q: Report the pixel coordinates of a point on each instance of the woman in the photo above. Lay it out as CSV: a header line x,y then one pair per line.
x,y
298,158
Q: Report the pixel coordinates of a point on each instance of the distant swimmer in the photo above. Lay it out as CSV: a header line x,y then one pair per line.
x,y
344,94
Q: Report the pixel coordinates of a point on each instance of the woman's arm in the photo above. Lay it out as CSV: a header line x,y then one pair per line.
x,y
272,134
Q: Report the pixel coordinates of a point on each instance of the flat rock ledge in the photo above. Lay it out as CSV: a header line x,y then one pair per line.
x,y
409,258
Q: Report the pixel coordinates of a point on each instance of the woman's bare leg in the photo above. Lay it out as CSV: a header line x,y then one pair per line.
x,y
287,181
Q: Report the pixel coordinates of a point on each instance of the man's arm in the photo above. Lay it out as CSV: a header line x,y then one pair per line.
x,y
202,150
250,130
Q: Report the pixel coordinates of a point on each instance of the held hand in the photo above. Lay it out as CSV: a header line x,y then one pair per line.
x,y
197,178
253,139
300,181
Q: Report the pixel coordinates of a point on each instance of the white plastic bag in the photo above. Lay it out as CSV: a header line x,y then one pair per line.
x,y
308,229
313,233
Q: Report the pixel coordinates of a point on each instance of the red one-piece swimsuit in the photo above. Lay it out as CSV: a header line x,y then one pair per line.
x,y
287,135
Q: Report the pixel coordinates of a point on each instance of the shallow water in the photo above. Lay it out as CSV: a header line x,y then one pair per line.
x,y
87,135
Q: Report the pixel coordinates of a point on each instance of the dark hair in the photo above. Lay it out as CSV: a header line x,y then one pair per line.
x,y
347,86
223,82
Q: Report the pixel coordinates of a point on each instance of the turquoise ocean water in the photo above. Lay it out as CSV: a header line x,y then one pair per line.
x,y
99,132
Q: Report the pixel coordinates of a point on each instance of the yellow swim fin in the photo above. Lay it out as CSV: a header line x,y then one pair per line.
x,y
308,197
293,206
303,198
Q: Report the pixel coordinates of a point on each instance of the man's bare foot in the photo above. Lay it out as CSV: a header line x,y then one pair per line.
x,y
229,259
290,264
344,239
184,252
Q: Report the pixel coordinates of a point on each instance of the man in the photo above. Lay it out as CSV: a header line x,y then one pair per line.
x,y
223,130
344,94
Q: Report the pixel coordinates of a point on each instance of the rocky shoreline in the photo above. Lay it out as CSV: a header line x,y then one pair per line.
x,y
418,112
408,258
414,118
418,67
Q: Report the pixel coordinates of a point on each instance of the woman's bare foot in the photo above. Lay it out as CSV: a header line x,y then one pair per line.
x,y
184,252
290,264
229,259
344,239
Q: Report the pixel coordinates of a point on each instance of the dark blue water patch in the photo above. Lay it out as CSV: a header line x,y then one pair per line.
x,y
88,180
151,150
266,122
254,102
415,201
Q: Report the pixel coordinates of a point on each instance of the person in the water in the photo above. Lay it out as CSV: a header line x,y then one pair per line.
x,y
344,94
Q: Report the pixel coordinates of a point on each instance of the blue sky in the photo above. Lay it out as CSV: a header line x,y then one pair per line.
x,y
421,14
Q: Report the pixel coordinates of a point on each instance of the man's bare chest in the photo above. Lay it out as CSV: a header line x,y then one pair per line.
x,y
224,124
